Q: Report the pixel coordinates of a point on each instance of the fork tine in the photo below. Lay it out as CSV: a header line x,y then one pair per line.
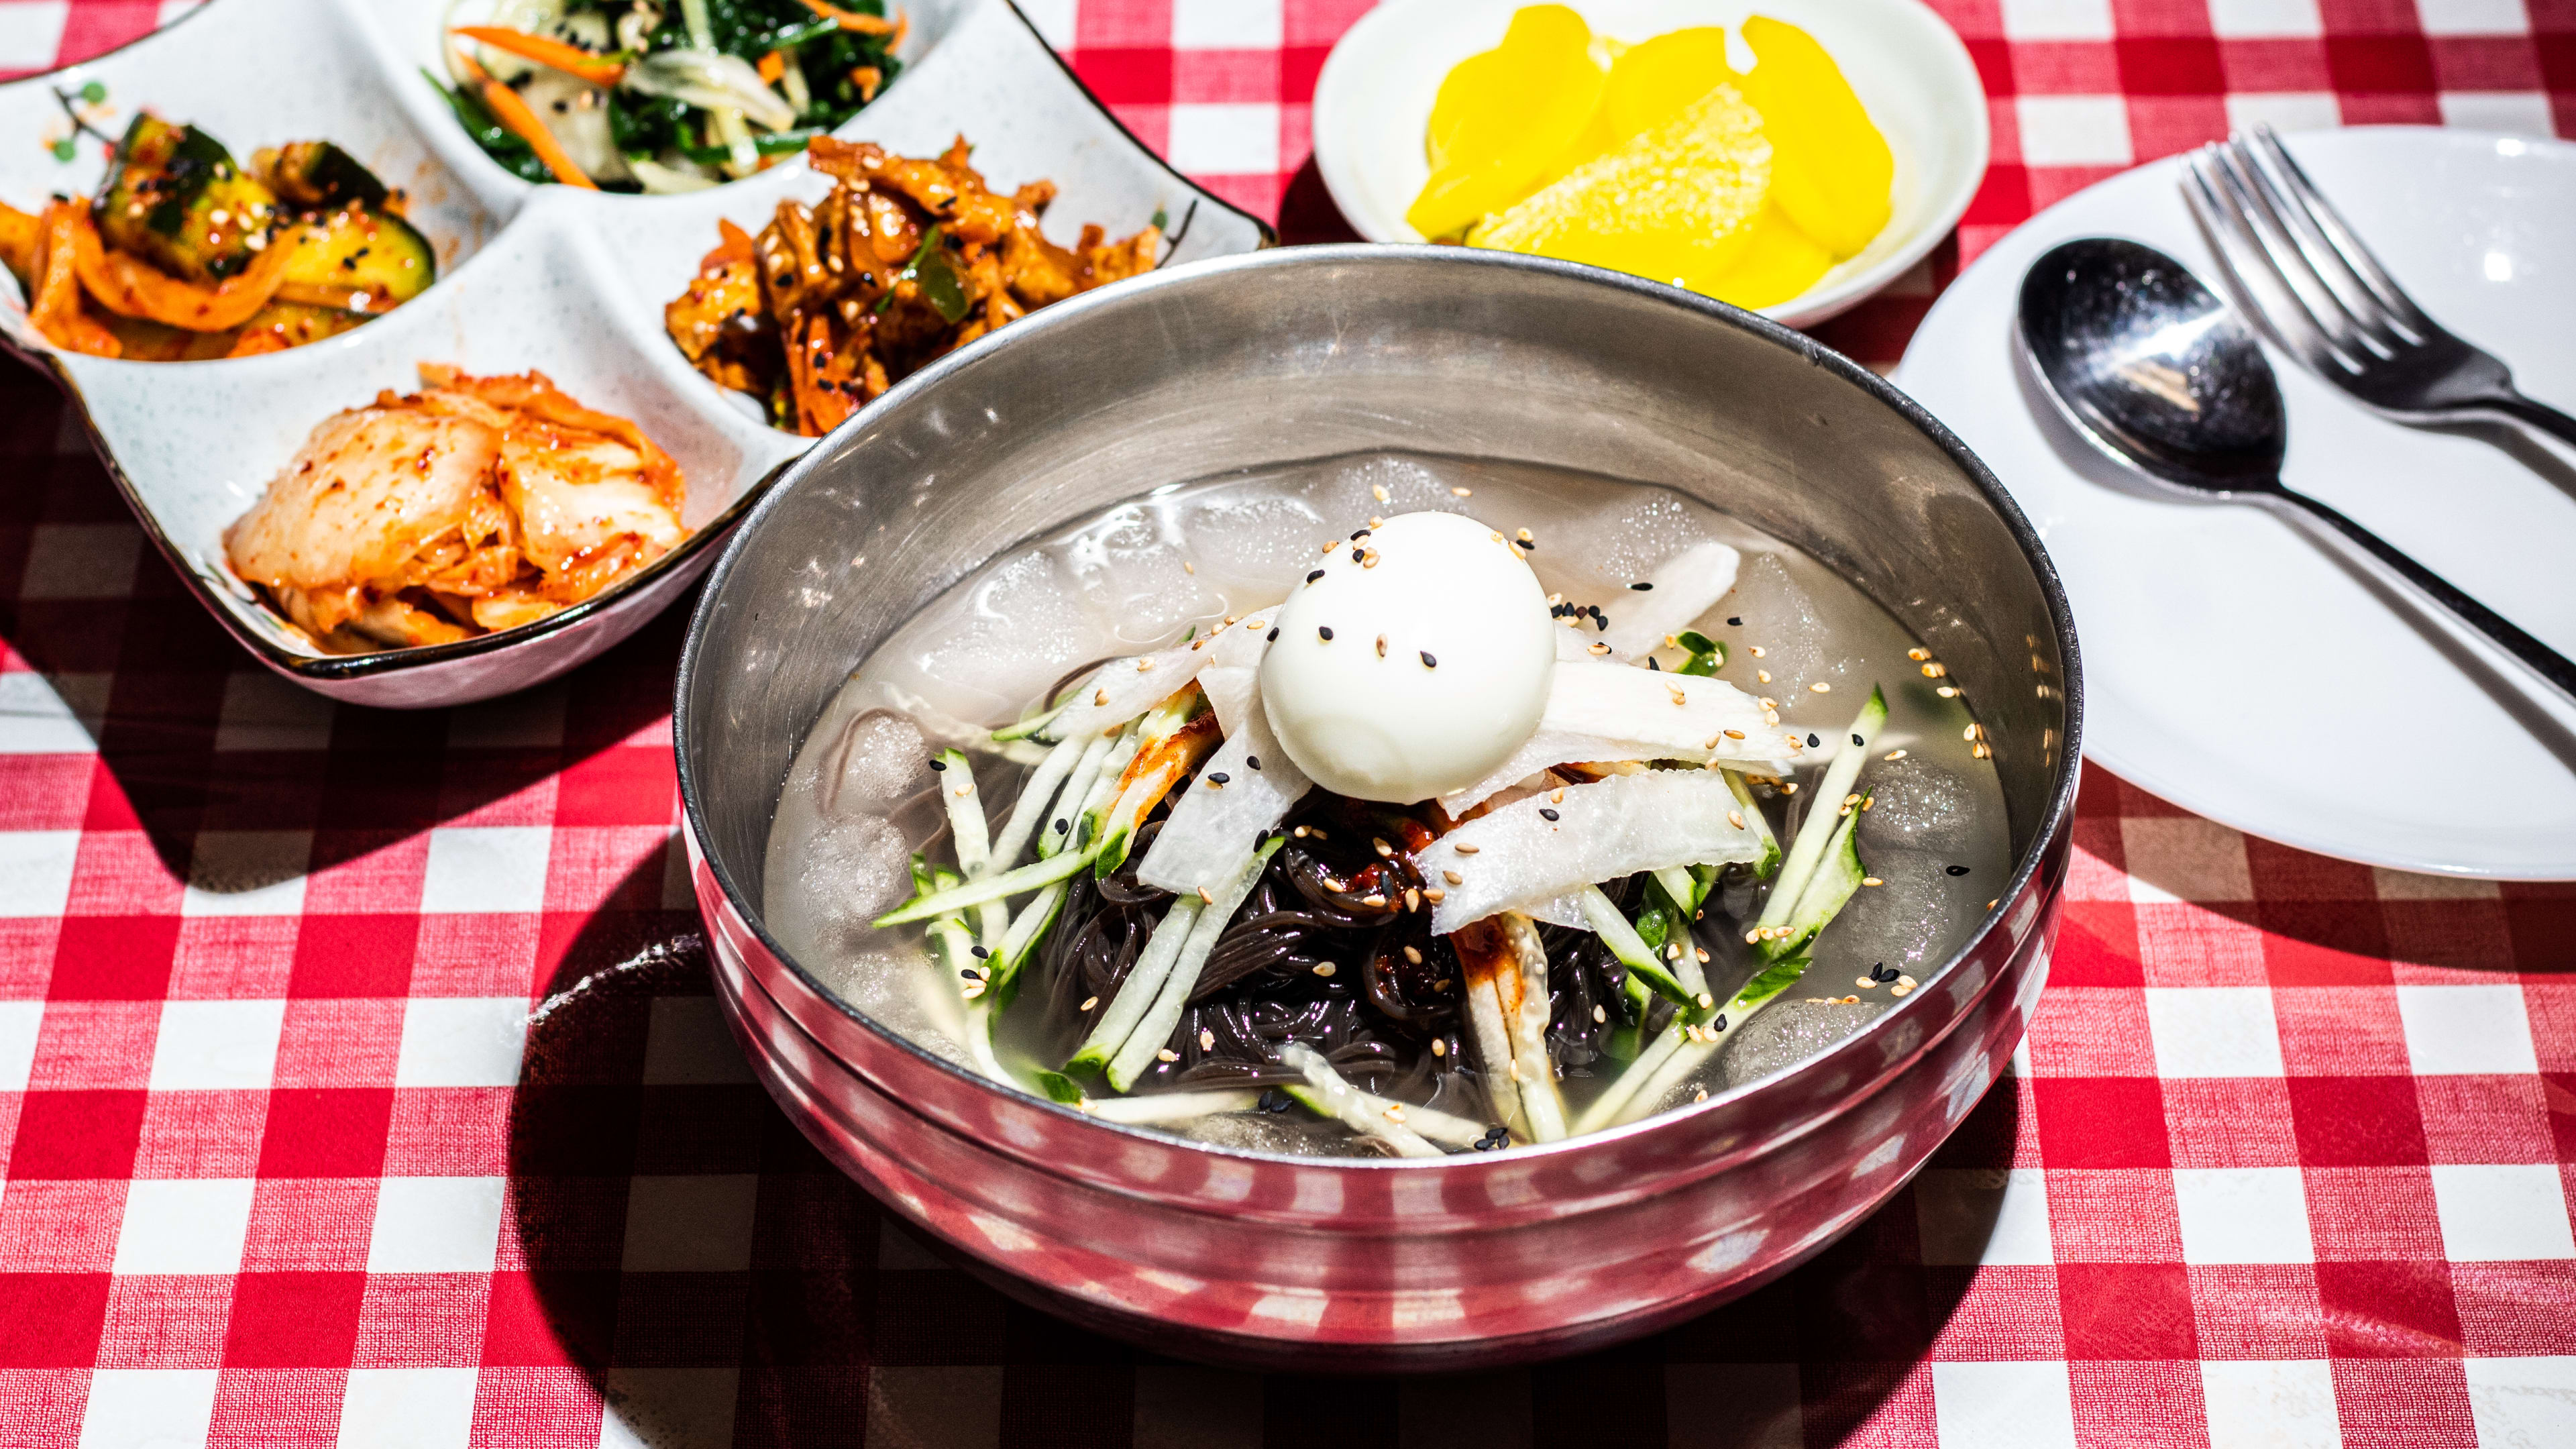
x,y
2274,290
2372,324
2256,281
2338,233
2281,248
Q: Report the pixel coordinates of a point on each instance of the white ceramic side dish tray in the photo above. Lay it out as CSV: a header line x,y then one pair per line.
x,y
1910,70
570,283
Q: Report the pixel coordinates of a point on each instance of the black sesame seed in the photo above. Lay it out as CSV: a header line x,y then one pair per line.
x,y
1428,662
1358,533
1734,623
1527,544
1815,742
1604,623
939,765
1641,588
1546,813
1317,574
1274,635
1957,869
1326,631
1252,761
1858,740
969,972
1219,778
1719,1024
978,952
1275,1100
1651,664
1062,825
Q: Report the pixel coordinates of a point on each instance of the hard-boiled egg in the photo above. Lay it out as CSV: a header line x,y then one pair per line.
x,y
1412,661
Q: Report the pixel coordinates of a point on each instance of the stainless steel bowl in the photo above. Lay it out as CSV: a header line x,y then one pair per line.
x,y
1308,353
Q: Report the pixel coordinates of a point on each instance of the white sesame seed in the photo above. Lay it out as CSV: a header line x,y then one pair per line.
x,y
1413,954
1089,1002
1324,968
1871,880
1207,1040
1896,754
1395,1111
1453,877
1439,1047
1820,687
1735,818
1464,848
1434,894
1763,675
1947,691
1167,1055
1144,666
1462,492
1900,991
1918,655
1205,898
1755,650
1600,1015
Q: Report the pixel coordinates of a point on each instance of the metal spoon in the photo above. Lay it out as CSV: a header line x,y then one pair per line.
x,y
2153,369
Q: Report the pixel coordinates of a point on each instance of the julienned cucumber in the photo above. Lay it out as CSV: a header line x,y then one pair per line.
x,y
1807,851
1827,890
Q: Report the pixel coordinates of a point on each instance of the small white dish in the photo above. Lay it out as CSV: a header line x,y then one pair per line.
x,y
1910,70
571,283
2233,667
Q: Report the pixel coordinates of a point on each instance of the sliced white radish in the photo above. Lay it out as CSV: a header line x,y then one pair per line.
x,y
1685,586
1231,690
1599,711
1243,790
1679,716
1550,844
1122,689
1241,644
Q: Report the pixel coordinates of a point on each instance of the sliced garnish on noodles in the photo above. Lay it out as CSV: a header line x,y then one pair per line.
x,y
1554,843
1241,793
1683,588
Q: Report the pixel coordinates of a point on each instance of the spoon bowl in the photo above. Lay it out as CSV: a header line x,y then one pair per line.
x,y
2153,368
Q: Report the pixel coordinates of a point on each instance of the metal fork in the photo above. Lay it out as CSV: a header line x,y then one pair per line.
x,y
2328,301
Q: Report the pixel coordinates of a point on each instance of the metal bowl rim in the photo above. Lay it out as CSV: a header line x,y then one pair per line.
x,y
2056,817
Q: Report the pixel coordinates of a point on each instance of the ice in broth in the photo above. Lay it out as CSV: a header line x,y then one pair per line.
x,y
1329,1037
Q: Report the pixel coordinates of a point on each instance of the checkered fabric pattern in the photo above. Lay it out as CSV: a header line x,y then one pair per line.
x,y
360,1081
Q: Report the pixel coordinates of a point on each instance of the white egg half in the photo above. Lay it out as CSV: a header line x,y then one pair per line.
x,y
1413,662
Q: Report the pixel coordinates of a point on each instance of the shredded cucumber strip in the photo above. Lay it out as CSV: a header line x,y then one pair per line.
x,y
1136,994
1182,976
1807,851
1754,817
1169,1109
997,887
1701,1041
1060,820
1035,801
1328,1095
1617,933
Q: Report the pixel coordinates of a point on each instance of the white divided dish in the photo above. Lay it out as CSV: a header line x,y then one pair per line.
x,y
1910,70
2232,665
569,283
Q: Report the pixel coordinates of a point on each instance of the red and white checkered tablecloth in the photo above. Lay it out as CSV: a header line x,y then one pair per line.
x,y
287,1158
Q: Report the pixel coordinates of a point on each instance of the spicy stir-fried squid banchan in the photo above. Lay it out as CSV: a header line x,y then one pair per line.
x,y
907,259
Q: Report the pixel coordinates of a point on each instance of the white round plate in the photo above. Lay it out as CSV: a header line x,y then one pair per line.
x,y
1373,105
2233,667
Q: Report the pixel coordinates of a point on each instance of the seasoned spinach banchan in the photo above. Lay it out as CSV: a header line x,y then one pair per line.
x,y
1389,804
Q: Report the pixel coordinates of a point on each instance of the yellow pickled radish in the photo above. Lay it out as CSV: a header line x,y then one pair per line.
x,y
1834,172
1778,262
1504,117
1676,203
1652,80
